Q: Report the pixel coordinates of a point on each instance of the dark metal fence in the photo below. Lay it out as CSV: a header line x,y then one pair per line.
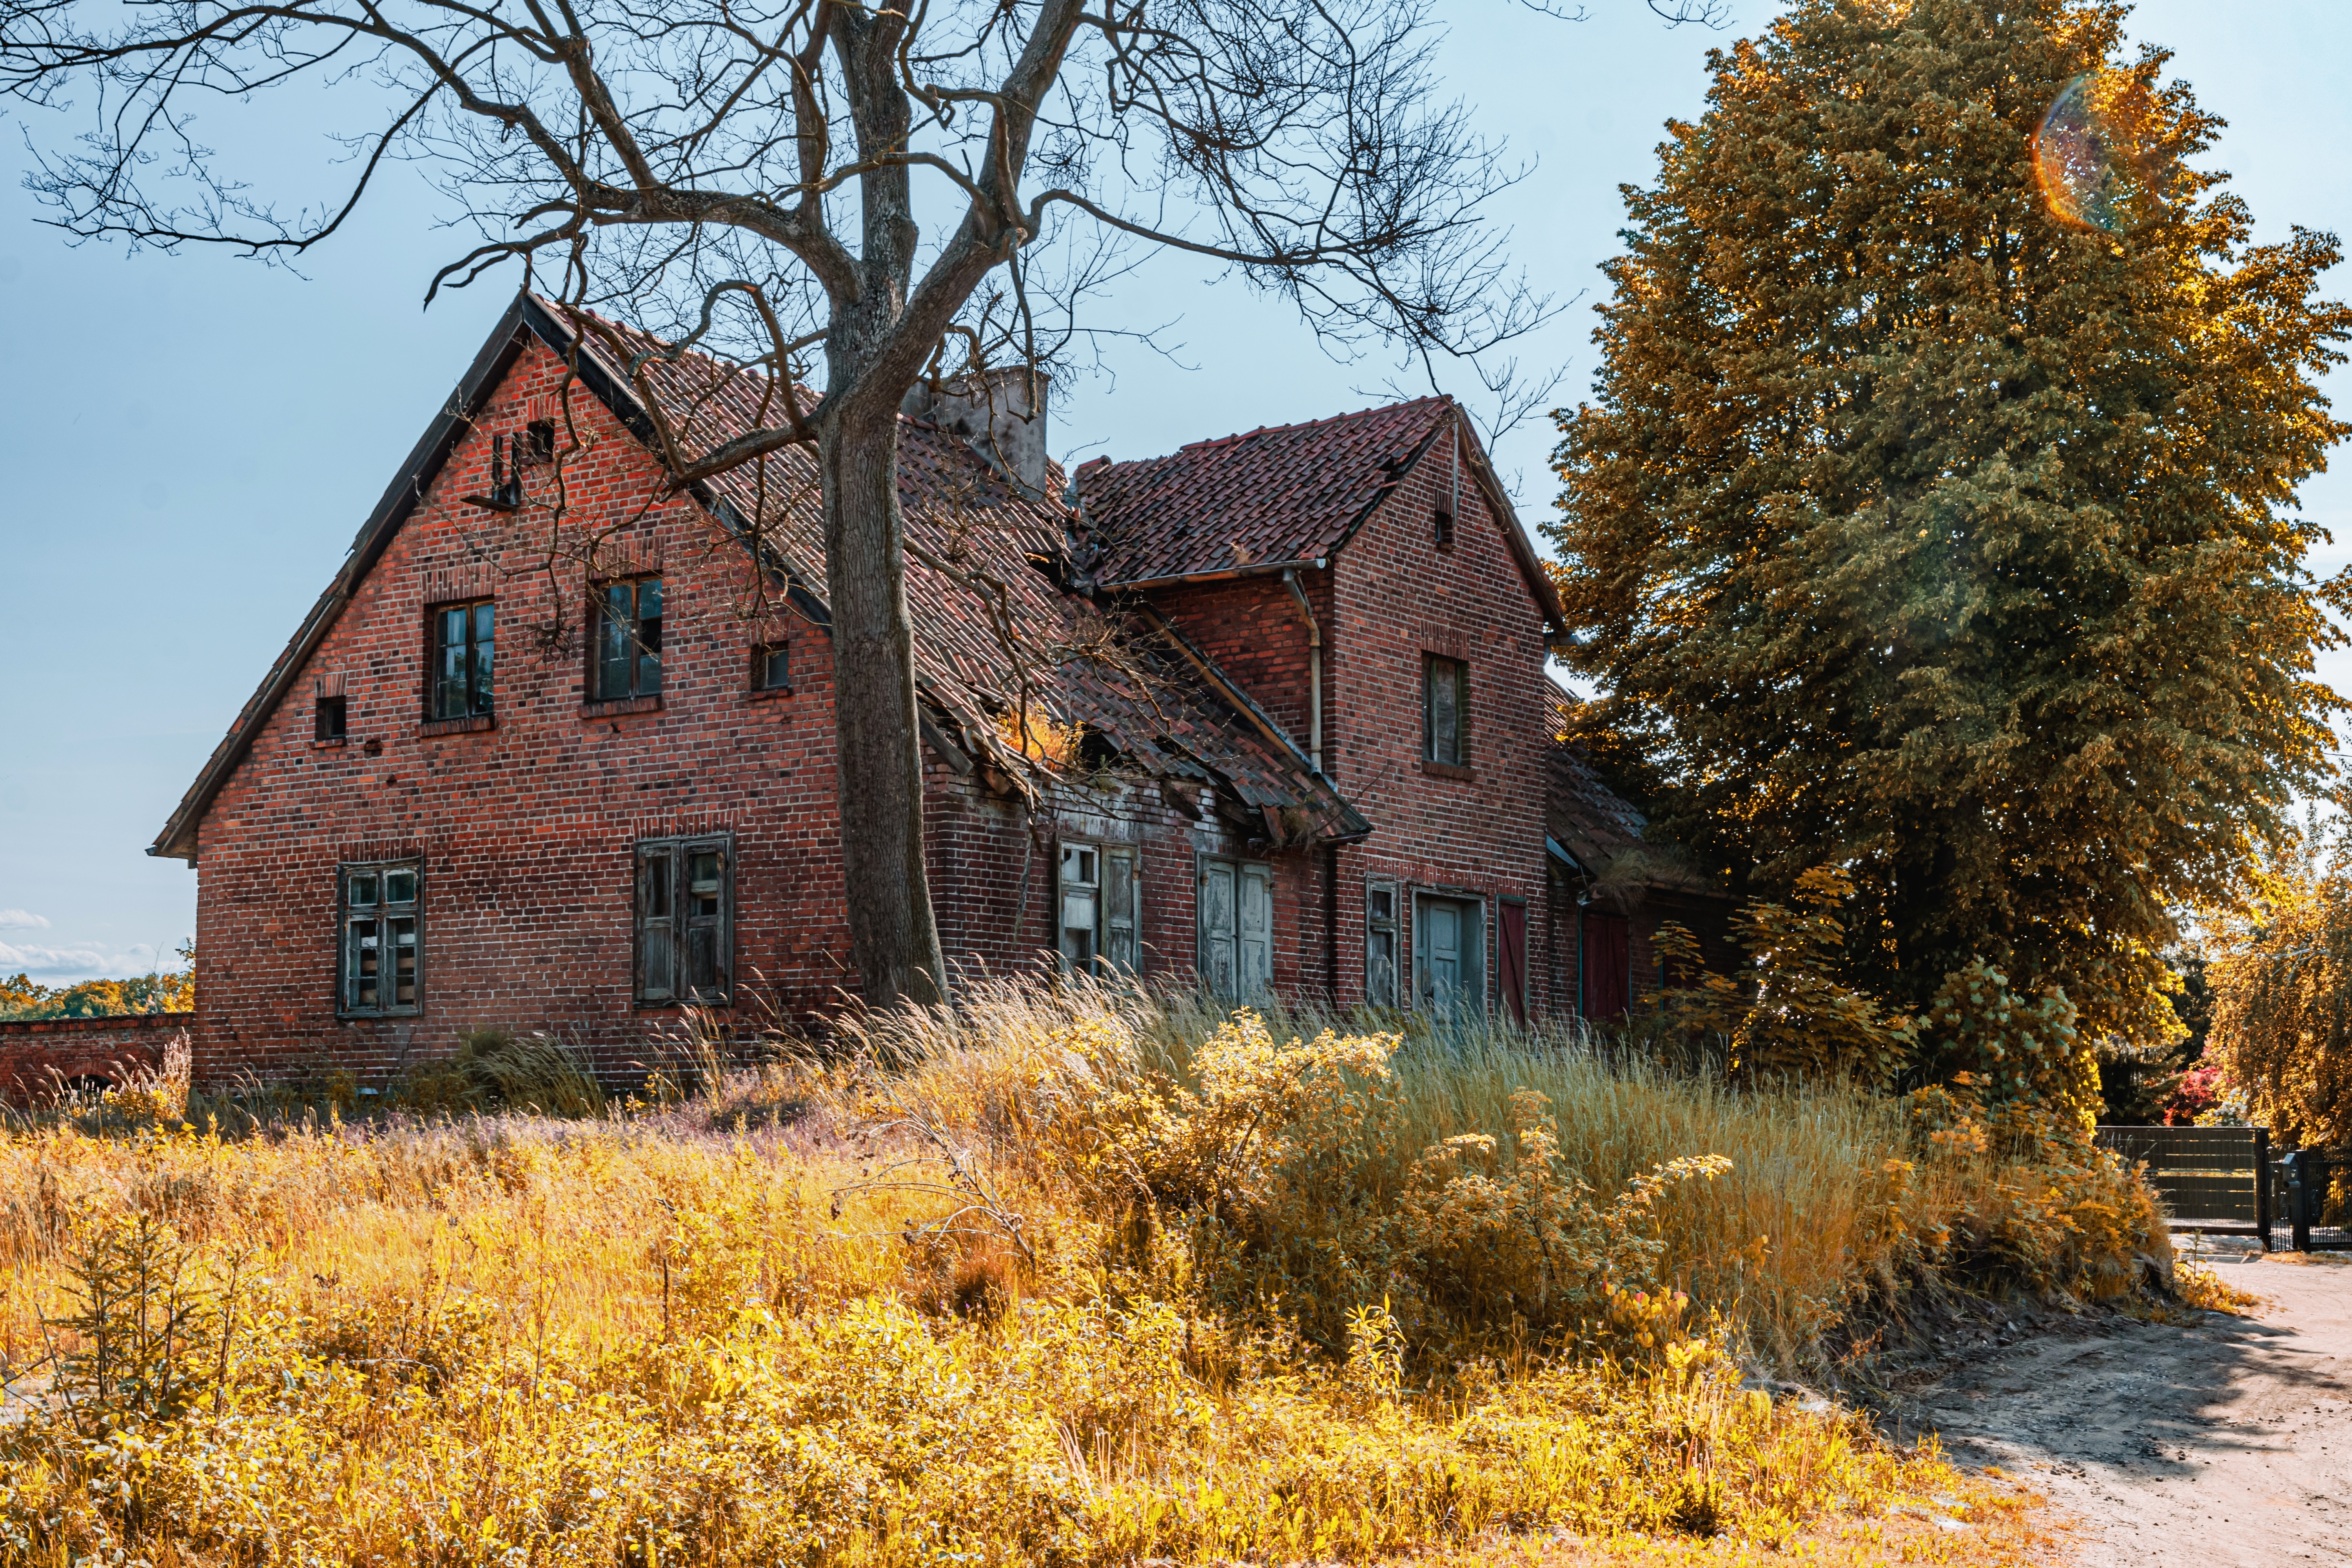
x,y
2224,1180
2212,1179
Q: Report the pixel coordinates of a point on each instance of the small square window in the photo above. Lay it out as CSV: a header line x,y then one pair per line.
x,y
328,722
538,441
772,667
627,653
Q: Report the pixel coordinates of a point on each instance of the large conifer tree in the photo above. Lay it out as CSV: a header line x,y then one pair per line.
x,y
1931,527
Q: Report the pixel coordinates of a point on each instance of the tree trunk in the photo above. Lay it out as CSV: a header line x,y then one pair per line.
x,y
893,938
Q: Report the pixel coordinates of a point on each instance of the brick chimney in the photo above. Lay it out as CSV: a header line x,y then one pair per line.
x,y
993,412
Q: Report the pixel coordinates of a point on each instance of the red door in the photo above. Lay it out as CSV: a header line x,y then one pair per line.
x,y
1607,965
1511,962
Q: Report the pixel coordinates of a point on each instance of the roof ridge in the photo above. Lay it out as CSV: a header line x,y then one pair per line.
x,y
1215,441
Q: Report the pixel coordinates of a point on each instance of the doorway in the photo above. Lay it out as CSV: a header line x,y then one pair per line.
x,y
1449,960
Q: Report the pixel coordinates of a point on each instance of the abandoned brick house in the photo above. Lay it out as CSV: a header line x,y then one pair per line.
x,y
1309,747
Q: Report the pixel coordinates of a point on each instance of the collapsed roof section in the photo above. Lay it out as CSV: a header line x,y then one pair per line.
x,y
1596,831
1017,674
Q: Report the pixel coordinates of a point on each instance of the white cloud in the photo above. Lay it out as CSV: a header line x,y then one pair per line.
x,y
71,965
22,919
51,960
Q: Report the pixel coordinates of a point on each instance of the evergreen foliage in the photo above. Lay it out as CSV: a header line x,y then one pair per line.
x,y
1919,531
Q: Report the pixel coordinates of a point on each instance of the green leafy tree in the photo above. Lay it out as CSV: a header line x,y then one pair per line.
x,y
1935,528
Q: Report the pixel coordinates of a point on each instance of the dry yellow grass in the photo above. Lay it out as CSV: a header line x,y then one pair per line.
x,y
995,1287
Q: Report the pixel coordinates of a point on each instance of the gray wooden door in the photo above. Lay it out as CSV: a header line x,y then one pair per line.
x,y
1447,957
1236,903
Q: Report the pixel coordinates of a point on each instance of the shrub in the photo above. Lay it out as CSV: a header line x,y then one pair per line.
x,y
496,1068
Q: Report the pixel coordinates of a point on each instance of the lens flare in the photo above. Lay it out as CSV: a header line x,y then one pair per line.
x,y
2096,156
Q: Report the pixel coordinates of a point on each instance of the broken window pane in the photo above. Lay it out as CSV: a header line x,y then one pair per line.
x,y
381,960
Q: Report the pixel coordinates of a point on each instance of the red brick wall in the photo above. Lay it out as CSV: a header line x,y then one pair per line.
x,y
38,1054
1252,629
1397,597
1390,597
526,829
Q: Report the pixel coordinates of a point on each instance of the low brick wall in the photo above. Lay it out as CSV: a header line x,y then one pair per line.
x,y
36,1053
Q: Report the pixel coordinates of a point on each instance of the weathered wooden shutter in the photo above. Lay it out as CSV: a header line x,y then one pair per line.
x,y
1122,910
706,906
1254,948
1511,958
1381,945
1218,927
658,922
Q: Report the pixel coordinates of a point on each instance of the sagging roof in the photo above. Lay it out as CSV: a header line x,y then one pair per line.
x,y
1601,832
1282,495
976,545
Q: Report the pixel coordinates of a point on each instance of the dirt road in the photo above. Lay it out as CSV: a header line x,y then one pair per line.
x,y
2225,1442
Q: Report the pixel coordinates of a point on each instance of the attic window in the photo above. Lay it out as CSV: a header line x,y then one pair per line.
x,y
771,667
1443,701
1442,529
327,724
539,441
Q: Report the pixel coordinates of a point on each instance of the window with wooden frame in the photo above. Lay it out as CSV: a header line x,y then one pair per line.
x,y
626,652
464,659
771,667
686,922
1381,945
382,960
1444,689
1101,898
327,721
1236,921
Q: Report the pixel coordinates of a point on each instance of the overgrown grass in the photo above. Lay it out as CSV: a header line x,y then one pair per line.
x,y
1054,1276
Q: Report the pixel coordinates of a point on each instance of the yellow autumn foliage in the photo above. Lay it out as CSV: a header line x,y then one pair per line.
x,y
1052,1277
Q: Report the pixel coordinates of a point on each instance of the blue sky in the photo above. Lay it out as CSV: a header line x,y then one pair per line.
x,y
190,441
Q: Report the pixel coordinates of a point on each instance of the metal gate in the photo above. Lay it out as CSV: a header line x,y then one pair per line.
x,y
2219,1180
2311,1199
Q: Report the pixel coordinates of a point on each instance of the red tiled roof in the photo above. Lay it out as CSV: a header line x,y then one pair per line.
x,y
1284,492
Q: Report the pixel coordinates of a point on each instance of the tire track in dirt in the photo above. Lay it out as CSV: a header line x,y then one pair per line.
x,y
2208,1446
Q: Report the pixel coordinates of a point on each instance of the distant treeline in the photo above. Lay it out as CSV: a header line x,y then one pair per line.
x,y
23,997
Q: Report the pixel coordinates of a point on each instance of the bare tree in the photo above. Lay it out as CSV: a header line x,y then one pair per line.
x,y
746,172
